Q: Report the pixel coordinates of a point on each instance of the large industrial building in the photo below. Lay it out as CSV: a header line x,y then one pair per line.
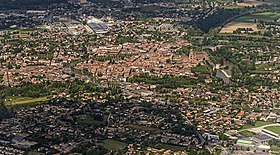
x,y
97,26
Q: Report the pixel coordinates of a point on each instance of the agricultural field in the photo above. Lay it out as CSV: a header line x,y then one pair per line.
x,y
22,101
264,16
250,21
232,26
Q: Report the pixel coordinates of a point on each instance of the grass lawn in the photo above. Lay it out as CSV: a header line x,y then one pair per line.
x,y
18,101
114,145
275,148
201,69
144,128
246,133
170,147
257,124
275,129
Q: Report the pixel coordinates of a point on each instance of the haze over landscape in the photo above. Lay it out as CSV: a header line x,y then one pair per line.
x,y
140,77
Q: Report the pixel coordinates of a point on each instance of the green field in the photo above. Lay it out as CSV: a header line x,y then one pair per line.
x,y
269,2
275,129
144,128
257,124
246,133
91,121
114,145
243,35
170,147
264,16
34,153
263,68
223,1
272,1
232,6
18,101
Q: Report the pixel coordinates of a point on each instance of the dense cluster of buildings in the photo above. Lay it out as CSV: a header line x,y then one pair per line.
x,y
48,61
63,126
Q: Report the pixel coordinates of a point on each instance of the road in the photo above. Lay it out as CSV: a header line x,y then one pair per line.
x,y
199,135
108,121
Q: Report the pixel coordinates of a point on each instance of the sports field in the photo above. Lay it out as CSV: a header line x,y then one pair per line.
x,y
275,129
114,145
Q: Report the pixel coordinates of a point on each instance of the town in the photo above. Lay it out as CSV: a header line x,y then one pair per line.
x,y
140,77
